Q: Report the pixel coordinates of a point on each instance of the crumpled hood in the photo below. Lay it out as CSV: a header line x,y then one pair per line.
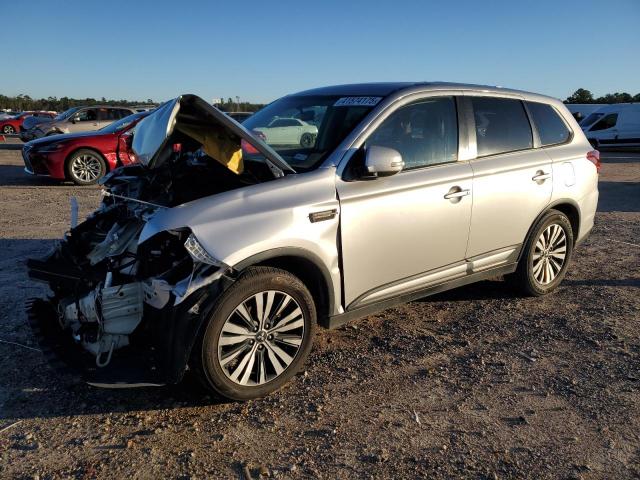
x,y
201,121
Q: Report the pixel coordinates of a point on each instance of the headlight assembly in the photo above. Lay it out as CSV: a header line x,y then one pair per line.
x,y
198,253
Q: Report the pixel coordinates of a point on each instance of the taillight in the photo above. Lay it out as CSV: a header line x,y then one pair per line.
x,y
594,157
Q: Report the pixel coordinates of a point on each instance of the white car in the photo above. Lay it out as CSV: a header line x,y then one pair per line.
x,y
289,131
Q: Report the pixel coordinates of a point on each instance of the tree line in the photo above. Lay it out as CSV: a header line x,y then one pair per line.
x,y
585,96
25,102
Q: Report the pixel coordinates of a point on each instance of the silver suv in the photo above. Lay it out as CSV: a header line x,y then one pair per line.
x,y
76,119
220,253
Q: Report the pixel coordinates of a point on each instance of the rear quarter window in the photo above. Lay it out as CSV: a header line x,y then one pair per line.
x,y
550,126
502,125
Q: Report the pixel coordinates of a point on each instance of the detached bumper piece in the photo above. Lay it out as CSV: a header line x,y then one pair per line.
x,y
130,368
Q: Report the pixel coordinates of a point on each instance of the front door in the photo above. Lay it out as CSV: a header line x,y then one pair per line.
x,y
397,231
84,120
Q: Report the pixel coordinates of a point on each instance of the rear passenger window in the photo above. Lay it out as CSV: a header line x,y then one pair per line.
x,y
607,121
425,133
551,128
501,125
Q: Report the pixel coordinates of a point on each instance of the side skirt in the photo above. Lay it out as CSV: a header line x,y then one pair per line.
x,y
336,321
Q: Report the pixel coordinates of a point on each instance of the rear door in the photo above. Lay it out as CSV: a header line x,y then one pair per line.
x,y
512,180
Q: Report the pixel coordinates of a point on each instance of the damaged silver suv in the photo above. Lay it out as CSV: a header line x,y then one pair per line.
x,y
220,253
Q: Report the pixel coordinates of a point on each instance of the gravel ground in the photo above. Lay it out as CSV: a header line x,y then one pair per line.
x,y
473,383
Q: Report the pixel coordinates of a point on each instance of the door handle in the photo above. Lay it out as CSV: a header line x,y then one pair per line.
x,y
456,192
541,176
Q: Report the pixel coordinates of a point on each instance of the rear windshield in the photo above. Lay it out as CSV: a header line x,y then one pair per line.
x,y
304,130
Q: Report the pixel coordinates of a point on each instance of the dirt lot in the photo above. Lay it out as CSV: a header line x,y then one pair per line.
x,y
474,383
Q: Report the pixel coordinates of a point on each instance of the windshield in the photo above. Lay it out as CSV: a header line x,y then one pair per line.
x,y
304,130
591,119
66,114
123,123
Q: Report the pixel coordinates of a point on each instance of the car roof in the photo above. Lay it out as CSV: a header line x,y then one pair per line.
x,y
384,89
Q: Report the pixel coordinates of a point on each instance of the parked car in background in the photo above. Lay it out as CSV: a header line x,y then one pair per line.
x,y
8,114
15,124
580,111
615,125
239,116
84,157
77,119
288,131
223,258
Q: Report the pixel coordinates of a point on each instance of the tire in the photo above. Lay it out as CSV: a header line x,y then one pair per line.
x,y
540,271
307,140
85,167
8,129
251,364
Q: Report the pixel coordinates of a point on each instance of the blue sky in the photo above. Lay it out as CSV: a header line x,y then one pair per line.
x,y
265,49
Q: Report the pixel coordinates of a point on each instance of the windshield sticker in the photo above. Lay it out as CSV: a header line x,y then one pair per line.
x,y
357,102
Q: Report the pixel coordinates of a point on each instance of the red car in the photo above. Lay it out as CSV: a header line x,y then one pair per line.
x,y
82,157
14,124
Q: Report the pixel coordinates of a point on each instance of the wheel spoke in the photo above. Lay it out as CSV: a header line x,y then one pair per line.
x,y
289,318
281,354
232,355
243,363
246,316
232,340
292,340
237,329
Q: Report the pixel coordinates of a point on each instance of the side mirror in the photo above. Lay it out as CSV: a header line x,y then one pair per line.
x,y
382,162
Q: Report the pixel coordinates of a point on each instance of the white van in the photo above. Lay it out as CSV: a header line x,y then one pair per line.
x,y
616,125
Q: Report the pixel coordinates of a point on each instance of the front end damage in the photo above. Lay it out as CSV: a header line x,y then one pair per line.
x,y
122,311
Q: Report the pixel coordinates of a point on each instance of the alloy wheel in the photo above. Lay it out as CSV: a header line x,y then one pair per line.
x,y
7,129
549,254
86,168
261,338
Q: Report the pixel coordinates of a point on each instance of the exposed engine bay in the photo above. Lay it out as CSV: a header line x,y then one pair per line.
x,y
111,293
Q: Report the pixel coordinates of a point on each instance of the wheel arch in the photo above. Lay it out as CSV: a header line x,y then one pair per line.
x,y
305,265
569,208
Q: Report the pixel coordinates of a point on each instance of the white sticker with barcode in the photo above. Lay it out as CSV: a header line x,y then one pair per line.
x,y
357,102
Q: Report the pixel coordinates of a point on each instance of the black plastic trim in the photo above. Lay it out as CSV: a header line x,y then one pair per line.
x,y
343,318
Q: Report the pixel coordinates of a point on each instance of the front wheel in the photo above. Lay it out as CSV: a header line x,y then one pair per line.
x,y
86,167
257,336
546,255
8,129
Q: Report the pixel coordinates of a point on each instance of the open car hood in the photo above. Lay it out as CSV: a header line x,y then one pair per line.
x,y
194,117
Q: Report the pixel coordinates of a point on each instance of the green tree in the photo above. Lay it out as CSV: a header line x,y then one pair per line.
x,y
580,96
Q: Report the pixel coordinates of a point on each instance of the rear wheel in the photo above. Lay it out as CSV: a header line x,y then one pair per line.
x,y
86,167
257,336
546,255
8,129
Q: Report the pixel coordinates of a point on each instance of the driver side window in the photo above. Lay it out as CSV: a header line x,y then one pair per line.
x,y
425,133
86,115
